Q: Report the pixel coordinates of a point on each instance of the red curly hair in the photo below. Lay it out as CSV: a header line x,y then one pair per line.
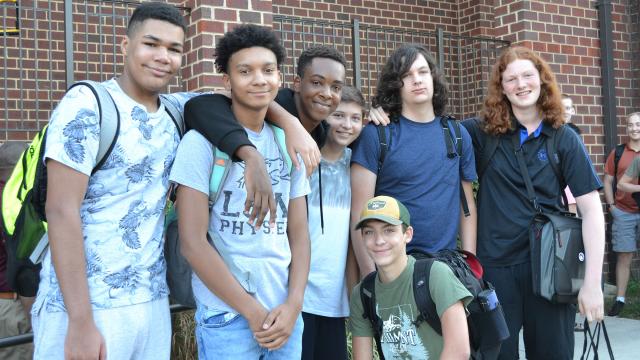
x,y
496,111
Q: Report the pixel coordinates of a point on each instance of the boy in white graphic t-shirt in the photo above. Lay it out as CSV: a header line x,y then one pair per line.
x,y
249,287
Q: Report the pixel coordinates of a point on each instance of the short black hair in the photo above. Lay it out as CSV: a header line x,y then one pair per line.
x,y
243,37
319,51
156,11
390,80
351,94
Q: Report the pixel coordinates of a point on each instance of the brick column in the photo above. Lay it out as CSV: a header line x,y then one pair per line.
x,y
209,20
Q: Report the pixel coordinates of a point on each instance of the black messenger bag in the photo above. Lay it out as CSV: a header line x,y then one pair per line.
x,y
557,256
555,242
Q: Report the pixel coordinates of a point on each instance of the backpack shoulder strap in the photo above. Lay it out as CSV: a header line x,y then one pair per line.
x,y
384,145
221,166
619,151
551,146
368,298
174,113
617,157
458,137
448,138
279,135
490,147
554,158
454,147
109,120
422,294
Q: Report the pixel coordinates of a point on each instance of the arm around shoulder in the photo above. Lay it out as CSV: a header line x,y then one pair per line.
x,y
211,115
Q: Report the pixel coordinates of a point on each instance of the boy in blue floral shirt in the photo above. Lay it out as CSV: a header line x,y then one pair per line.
x,y
103,291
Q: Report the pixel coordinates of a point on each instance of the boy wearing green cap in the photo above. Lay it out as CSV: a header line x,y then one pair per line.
x,y
386,230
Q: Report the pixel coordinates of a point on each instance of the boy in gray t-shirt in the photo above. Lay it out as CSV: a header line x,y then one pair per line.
x,y
249,292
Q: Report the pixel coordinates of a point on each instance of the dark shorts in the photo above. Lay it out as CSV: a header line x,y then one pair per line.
x,y
548,328
323,338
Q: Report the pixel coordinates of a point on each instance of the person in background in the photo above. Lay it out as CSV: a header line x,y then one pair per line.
x,y
624,208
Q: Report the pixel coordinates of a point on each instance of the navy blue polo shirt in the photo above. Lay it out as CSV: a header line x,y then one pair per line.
x,y
504,211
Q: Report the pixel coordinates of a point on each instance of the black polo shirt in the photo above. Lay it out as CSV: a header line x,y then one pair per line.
x,y
211,115
504,211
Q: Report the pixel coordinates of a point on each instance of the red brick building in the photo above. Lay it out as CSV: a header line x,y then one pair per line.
x,y
603,76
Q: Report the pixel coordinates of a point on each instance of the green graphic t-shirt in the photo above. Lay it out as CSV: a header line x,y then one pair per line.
x,y
396,306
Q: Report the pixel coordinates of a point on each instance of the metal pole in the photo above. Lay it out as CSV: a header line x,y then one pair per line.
x,y
68,42
355,37
607,68
440,45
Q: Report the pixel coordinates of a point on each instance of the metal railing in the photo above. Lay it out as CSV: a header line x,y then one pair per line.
x,y
45,46
465,60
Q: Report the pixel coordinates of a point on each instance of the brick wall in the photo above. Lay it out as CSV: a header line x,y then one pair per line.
x,y
564,32
409,14
33,63
199,71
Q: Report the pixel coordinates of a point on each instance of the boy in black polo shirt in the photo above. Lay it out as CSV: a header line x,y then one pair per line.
x,y
523,107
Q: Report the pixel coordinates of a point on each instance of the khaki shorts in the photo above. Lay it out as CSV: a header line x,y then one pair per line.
x,y
14,321
625,230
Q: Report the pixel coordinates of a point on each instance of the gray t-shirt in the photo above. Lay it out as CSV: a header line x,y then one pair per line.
x,y
263,251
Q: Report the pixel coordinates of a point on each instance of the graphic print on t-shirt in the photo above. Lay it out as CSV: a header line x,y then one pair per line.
x,y
232,220
399,337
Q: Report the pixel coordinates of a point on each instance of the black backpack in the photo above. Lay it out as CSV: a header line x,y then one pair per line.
x,y
454,148
487,328
616,160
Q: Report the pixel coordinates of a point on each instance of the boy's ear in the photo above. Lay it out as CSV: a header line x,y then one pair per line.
x,y
123,45
408,235
227,82
296,83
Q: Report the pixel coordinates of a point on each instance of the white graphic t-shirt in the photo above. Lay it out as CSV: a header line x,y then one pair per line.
x,y
263,252
123,210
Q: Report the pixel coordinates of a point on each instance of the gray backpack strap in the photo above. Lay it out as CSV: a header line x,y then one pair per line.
x,y
109,120
243,276
174,113
221,166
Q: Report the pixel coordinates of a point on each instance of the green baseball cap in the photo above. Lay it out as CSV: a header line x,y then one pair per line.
x,y
384,208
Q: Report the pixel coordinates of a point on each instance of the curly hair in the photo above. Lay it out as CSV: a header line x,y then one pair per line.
x,y
155,11
390,81
243,37
319,51
497,112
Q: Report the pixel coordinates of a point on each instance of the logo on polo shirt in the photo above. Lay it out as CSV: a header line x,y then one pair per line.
x,y
542,155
